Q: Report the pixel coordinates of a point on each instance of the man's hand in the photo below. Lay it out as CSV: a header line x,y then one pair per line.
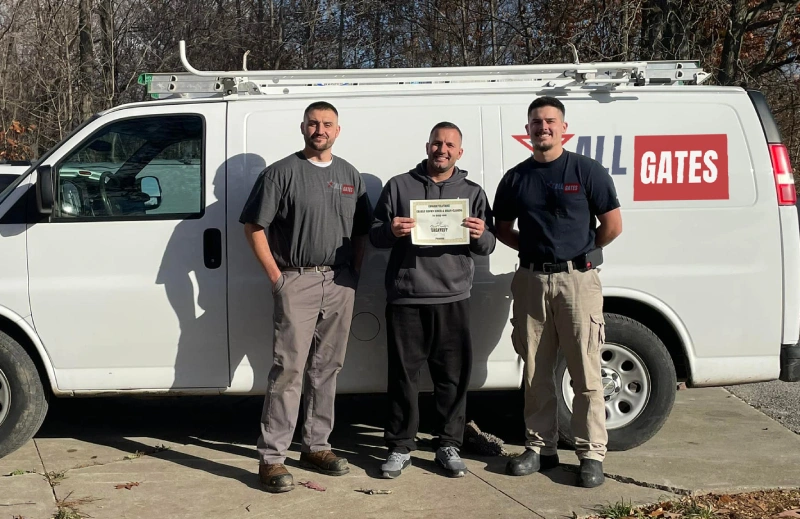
x,y
476,227
275,276
402,226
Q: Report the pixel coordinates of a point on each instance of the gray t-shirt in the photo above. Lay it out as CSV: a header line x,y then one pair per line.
x,y
310,212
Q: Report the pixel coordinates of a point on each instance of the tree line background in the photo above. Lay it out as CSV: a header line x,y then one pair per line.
x,y
63,60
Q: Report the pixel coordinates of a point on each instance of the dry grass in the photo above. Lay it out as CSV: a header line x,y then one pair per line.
x,y
770,504
70,508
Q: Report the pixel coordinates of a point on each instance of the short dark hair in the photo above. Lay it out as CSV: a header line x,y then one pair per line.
x,y
547,101
320,105
445,125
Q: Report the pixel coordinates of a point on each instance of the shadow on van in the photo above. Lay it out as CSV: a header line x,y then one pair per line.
x,y
190,287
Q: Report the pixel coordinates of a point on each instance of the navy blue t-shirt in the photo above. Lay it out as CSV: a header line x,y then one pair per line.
x,y
556,204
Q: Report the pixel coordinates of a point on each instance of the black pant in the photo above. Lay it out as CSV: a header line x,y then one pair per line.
x,y
439,335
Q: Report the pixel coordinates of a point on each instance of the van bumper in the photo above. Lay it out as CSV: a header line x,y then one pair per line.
x,y
790,363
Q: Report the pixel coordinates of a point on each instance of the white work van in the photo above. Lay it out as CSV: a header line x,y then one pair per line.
x,y
125,268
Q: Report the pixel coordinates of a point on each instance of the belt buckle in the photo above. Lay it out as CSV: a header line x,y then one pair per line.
x,y
546,268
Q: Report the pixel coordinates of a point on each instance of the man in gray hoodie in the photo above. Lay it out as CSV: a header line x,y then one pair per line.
x,y
428,290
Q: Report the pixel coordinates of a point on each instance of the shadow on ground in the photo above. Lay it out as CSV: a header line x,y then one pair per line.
x,y
230,425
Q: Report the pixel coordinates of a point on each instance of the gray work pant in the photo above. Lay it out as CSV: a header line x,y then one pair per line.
x,y
312,319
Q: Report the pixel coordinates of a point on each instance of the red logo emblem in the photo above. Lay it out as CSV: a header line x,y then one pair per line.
x,y
572,188
680,167
348,189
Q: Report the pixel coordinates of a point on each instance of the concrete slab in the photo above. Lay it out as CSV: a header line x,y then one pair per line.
x,y
213,489
26,459
553,494
714,442
28,496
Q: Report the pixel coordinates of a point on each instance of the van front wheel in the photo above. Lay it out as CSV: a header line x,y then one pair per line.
x,y
639,384
23,400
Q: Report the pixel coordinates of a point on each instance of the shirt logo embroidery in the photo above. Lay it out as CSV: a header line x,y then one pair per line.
x,y
571,188
346,189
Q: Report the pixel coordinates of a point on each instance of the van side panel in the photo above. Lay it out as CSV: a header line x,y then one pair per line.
x,y
705,241
382,137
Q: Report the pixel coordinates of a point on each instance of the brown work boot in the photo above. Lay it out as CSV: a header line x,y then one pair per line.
x,y
275,477
325,462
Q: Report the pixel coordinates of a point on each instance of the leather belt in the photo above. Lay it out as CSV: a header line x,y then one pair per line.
x,y
549,268
308,270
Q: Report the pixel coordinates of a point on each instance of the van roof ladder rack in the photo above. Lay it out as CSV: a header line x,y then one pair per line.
x,y
197,83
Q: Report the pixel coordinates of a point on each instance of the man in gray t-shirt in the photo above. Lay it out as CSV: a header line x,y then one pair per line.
x,y
316,213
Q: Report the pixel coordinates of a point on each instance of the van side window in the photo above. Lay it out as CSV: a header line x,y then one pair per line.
x,y
139,168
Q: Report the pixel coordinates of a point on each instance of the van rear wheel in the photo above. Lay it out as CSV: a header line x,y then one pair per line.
x,y
639,385
23,400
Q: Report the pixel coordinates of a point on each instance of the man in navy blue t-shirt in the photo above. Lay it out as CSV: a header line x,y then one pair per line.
x,y
558,301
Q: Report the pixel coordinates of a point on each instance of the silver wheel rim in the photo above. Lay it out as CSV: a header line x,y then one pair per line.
x,y
5,397
626,385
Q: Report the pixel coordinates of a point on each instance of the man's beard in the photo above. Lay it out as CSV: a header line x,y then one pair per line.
x,y
438,168
322,146
543,147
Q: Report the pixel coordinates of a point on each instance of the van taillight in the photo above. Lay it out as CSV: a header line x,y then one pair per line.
x,y
784,180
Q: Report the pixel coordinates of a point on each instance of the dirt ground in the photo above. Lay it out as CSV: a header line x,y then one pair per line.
x,y
777,504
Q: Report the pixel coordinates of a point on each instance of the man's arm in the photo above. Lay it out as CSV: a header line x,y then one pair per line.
x,y
506,234
258,242
610,227
387,228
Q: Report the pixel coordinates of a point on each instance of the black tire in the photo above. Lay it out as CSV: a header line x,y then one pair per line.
x,y
28,398
637,338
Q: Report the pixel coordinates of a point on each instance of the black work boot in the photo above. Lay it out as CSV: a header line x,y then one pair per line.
x,y
591,474
529,462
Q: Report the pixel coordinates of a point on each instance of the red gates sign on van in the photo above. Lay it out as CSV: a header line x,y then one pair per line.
x,y
680,167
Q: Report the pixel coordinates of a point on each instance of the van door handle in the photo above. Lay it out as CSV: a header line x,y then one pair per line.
x,y
212,248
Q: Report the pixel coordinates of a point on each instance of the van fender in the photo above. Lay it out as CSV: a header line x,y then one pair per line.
x,y
21,324
665,310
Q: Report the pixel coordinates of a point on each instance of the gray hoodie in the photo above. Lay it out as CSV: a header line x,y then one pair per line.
x,y
429,274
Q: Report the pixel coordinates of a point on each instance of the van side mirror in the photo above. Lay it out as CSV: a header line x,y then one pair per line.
x,y
45,189
152,188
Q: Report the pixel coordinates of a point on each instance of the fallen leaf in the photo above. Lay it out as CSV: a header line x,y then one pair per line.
x,y
725,500
671,515
313,486
795,513
657,513
127,486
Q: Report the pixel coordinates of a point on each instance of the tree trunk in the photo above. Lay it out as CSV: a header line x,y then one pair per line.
x,y
107,44
732,46
86,57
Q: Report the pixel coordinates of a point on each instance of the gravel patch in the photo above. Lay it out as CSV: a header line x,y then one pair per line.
x,y
778,400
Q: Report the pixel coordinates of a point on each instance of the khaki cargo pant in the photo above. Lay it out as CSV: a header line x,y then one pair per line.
x,y
561,310
312,318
